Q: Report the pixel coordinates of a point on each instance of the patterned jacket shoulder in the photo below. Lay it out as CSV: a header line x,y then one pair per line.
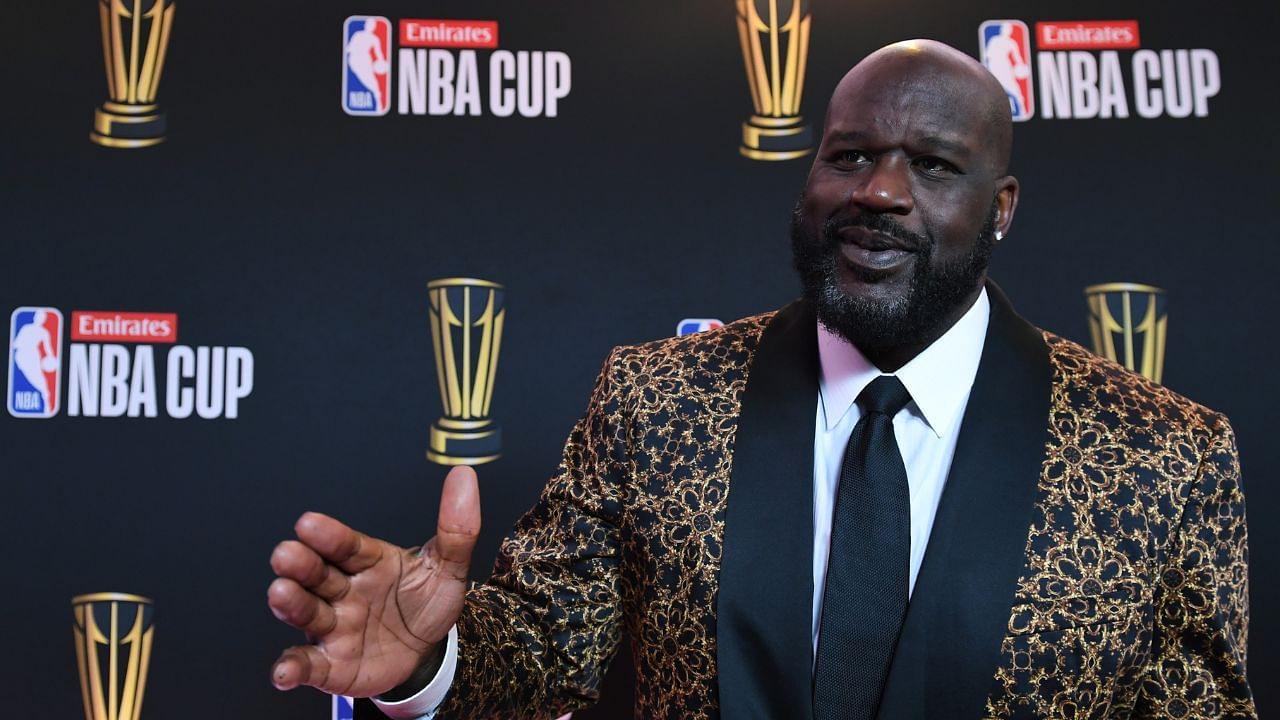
x,y
1095,397
661,370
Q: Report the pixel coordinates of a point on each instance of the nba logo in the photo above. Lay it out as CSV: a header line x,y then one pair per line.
x,y
343,708
35,362
1006,51
689,326
366,65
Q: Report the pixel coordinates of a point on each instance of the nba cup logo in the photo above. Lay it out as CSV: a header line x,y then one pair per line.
x,y
775,46
466,332
113,635
1128,323
135,34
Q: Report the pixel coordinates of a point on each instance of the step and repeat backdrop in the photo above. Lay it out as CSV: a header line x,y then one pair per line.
x,y
266,257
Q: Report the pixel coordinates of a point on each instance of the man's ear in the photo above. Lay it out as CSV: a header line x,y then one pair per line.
x,y
1006,204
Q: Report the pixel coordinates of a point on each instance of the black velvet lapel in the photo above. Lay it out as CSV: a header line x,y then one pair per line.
x,y
764,609
950,644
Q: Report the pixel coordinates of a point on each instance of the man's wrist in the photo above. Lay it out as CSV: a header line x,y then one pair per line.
x,y
418,697
421,676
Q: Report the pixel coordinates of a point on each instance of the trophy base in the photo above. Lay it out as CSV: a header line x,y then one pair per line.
x,y
118,125
776,138
455,442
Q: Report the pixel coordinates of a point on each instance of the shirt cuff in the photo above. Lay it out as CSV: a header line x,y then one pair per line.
x,y
423,705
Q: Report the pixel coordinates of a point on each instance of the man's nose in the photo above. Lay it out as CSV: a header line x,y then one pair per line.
x,y
885,188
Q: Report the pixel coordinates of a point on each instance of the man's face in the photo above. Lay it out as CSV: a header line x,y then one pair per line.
x,y
893,233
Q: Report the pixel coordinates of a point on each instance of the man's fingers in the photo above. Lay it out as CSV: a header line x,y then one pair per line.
x,y
291,603
294,560
301,665
459,523
348,549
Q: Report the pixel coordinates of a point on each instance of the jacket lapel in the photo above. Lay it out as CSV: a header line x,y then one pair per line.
x,y
950,643
764,605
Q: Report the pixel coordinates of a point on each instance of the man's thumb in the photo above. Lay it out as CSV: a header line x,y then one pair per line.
x,y
459,523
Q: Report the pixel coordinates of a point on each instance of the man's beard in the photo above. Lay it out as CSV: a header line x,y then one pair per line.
x,y
913,318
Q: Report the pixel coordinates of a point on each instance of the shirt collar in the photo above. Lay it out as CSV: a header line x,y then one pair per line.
x,y
939,378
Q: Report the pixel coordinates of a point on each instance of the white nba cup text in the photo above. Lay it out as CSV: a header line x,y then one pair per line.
x,y
1078,84
437,81
111,380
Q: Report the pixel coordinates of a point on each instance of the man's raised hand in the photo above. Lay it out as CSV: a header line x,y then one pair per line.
x,y
372,611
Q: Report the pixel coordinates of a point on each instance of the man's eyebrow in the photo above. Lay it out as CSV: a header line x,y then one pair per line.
x,y
845,136
934,142
925,143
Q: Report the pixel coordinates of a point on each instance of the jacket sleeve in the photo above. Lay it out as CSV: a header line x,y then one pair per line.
x,y
534,641
1197,666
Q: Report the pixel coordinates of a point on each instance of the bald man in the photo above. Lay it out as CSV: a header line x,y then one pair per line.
x,y
892,498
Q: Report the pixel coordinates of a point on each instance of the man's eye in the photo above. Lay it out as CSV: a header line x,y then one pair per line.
x,y
851,157
936,166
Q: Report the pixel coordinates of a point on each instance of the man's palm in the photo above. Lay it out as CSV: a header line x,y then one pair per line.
x,y
371,610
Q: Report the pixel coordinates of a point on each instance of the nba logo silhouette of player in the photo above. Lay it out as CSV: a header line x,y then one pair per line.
x,y
1005,52
366,58
34,356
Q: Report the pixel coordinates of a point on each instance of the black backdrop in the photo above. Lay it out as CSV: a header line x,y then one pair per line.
x,y
272,220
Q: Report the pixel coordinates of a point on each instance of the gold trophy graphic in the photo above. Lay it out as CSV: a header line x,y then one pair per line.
x,y
775,46
113,633
135,34
466,332
1128,323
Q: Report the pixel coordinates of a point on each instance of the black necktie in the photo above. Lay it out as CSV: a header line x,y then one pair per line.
x,y
868,570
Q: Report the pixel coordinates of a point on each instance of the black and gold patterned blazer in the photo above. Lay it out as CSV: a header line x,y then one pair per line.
x,y
1087,560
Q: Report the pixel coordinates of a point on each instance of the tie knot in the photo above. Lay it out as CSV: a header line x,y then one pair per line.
x,y
886,395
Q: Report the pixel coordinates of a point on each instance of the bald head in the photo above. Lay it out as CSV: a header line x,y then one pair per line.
x,y
957,88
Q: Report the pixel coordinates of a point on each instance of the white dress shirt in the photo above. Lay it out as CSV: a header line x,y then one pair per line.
x,y
939,380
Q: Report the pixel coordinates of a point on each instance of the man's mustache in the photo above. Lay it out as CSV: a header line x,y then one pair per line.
x,y
876,222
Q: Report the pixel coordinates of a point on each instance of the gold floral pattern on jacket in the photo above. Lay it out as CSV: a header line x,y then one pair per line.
x,y
1133,602
1135,599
